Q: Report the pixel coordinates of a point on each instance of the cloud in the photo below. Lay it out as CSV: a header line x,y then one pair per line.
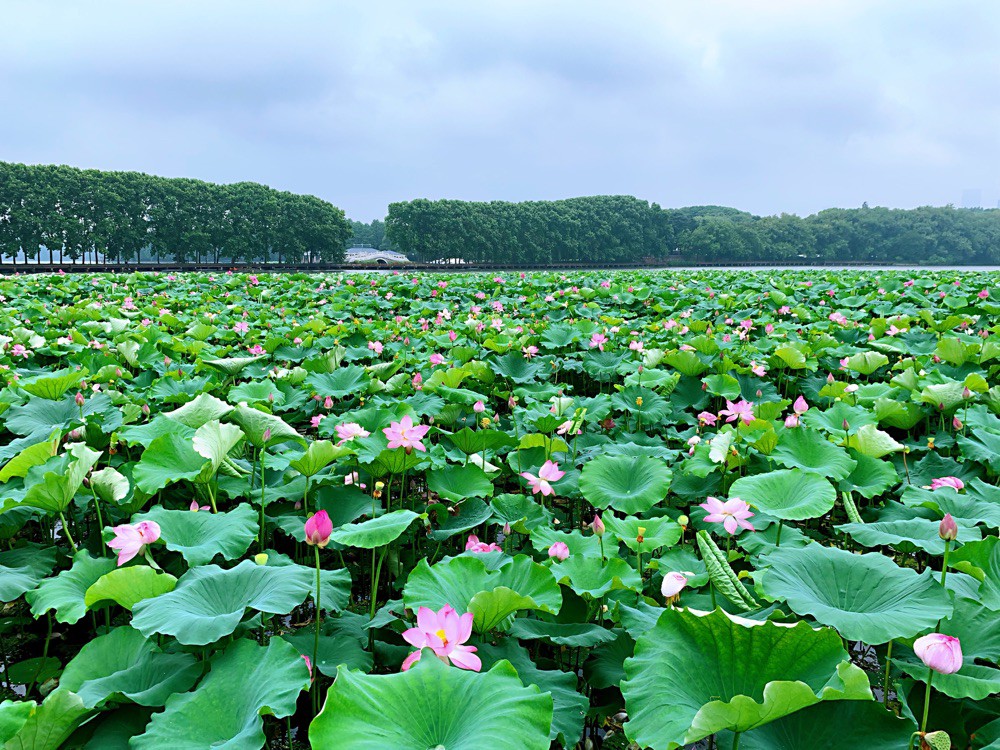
x,y
769,106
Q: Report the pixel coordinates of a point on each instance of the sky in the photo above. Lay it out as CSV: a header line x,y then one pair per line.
x,y
767,105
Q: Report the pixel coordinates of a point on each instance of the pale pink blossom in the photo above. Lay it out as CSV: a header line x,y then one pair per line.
x,y
673,584
559,551
597,341
350,430
444,632
742,410
732,513
953,482
473,544
549,472
940,652
405,434
131,539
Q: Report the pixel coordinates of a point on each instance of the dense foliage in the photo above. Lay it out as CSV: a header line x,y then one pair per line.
x,y
518,512
62,214
617,229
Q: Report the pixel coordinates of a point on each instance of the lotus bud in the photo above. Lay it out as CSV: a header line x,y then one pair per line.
x,y
598,526
319,527
845,426
479,407
966,393
559,551
145,410
118,372
166,361
956,423
80,400
267,432
73,435
948,530
759,393
506,529
940,406
829,379
940,652
260,558
270,398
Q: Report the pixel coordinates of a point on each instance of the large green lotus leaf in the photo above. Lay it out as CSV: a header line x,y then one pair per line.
x,y
129,586
52,385
231,365
867,362
213,440
200,535
256,423
433,706
468,585
209,602
789,494
873,442
455,483
335,585
65,592
200,410
34,455
246,683
375,532
168,459
631,484
159,426
13,714
112,730
865,597
977,504
342,382
464,516
806,449
572,634
920,533
124,663
110,485
569,706
695,675
870,477
476,441
22,568
974,681
339,643
595,577
55,483
319,455
51,723
257,392
832,420
660,532
844,724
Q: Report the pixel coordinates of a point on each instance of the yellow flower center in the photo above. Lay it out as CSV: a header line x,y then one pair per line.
x,y
440,634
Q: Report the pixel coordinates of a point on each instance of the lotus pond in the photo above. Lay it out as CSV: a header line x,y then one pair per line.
x,y
635,510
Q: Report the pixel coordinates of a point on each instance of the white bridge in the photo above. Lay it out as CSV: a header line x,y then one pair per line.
x,y
371,255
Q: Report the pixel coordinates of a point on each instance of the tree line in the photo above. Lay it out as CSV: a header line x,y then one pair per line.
x,y
63,214
623,229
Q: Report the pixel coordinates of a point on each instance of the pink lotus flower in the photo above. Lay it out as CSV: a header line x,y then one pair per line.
x,y
792,421
256,349
983,293
319,527
375,346
548,473
443,632
529,351
404,434
131,539
953,482
673,584
241,327
195,507
706,417
474,545
942,653
349,431
436,359
732,514
742,410
597,341
559,551
18,350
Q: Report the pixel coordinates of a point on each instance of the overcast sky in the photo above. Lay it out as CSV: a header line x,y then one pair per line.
x,y
768,106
